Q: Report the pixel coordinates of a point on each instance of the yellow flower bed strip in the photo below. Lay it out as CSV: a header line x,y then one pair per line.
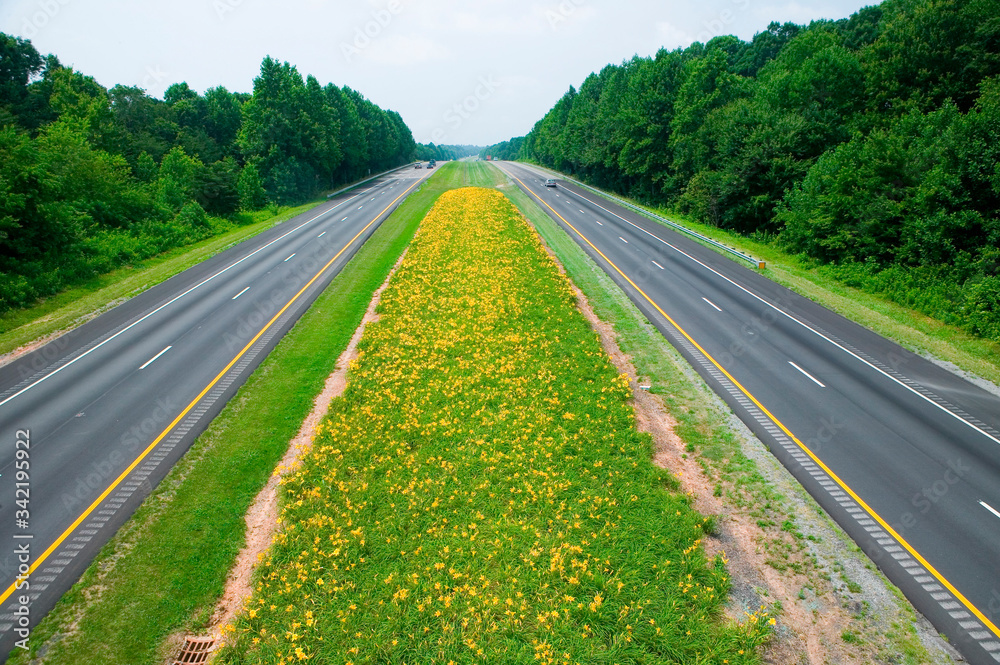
x,y
480,493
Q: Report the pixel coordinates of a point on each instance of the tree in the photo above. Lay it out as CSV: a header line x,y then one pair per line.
x,y
352,138
19,64
708,85
179,179
217,187
645,115
81,98
251,188
883,198
932,50
223,117
765,47
144,123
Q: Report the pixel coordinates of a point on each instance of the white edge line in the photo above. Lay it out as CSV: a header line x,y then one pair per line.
x,y
801,323
712,304
989,508
808,375
241,293
175,299
153,359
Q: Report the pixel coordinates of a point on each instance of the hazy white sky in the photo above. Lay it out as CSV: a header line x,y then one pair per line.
x,y
457,71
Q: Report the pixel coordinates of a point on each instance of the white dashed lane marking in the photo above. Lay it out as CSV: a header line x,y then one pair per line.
x,y
154,358
807,374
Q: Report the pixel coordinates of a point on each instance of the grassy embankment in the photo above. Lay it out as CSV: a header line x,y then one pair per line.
x,y
910,328
165,569
480,493
704,424
76,305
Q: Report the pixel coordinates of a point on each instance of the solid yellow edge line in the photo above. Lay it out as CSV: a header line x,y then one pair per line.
x,y
933,571
111,488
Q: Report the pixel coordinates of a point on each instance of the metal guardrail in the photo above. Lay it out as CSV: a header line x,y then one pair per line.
x,y
683,229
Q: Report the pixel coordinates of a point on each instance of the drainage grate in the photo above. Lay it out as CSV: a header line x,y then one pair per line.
x,y
196,650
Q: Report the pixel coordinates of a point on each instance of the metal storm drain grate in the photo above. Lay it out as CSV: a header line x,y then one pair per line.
x,y
196,650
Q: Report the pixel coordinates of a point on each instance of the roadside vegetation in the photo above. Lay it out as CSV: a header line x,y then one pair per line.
x,y
480,493
74,306
93,180
867,146
163,573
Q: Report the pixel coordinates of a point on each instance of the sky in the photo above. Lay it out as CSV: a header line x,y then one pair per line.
x,y
458,71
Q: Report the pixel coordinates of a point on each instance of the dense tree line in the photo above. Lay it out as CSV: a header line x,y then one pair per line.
x,y
426,152
870,144
507,150
92,179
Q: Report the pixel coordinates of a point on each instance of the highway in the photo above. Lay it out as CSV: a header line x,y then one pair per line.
x,y
902,453
91,422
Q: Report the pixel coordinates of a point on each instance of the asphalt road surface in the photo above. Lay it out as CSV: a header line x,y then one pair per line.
x,y
902,453
91,422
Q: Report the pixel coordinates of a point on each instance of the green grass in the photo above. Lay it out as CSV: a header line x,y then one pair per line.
x,y
702,422
76,305
911,329
480,493
481,174
165,569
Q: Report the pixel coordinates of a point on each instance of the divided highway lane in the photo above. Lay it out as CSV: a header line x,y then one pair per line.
x,y
95,419
902,453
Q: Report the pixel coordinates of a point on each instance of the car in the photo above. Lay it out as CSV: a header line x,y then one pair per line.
x,y
551,182
419,166
430,166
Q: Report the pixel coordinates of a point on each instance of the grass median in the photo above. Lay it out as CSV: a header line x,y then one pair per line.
x,y
480,493
165,569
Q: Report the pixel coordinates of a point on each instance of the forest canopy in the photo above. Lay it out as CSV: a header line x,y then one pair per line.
x,y
92,179
870,145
